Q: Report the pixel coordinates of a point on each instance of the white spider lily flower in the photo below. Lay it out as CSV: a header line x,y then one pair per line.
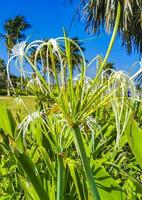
x,y
35,82
18,101
120,84
23,126
39,83
95,130
19,49
31,117
87,80
18,54
54,44
138,72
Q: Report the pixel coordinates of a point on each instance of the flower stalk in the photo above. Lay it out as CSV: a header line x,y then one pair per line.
x,y
85,163
60,178
115,30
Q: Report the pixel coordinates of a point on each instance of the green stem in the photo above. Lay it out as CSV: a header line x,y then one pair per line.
x,y
109,48
69,63
54,67
37,72
86,165
115,30
60,178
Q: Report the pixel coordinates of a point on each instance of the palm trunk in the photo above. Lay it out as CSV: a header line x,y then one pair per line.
x,y
8,85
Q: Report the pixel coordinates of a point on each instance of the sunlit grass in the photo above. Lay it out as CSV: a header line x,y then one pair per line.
x,y
12,105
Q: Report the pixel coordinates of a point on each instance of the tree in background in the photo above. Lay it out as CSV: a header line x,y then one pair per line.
x,y
100,14
3,77
42,56
109,66
2,74
76,56
14,31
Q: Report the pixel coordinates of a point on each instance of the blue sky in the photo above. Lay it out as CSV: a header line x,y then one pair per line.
x,y
49,17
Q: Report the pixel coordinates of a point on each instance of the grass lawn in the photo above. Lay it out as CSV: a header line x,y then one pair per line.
x,y
10,103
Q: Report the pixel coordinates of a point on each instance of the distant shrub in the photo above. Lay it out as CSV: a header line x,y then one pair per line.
x,y
3,92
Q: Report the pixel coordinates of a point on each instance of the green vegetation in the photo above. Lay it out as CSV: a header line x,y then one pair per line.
x,y
12,104
79,143
76,138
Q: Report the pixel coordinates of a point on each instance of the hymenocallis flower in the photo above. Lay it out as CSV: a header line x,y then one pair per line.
x,y
19,49
139,71
54,44
120,85
19,52
17,55
34,83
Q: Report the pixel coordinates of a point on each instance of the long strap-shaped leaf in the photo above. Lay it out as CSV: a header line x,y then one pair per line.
x,y
32,174
60,178
86,166
7,121
134,138
77,181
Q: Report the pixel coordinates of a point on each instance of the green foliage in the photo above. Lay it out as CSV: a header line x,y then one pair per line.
x,y
3,92
7,122
78,143
134,137
19,106
14,28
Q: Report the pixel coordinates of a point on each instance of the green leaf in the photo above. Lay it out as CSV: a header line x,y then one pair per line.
x,y
29,189
60,177
19,141
77,181
47,161
32,173
7,121
107,186
134,137
51,189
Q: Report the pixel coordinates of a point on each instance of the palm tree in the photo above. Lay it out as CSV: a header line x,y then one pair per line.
x,y
109,66
14,32
100,14
2,66
75,53
2,74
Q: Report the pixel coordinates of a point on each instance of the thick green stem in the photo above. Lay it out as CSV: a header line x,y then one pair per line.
x,y
60,178
86,165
